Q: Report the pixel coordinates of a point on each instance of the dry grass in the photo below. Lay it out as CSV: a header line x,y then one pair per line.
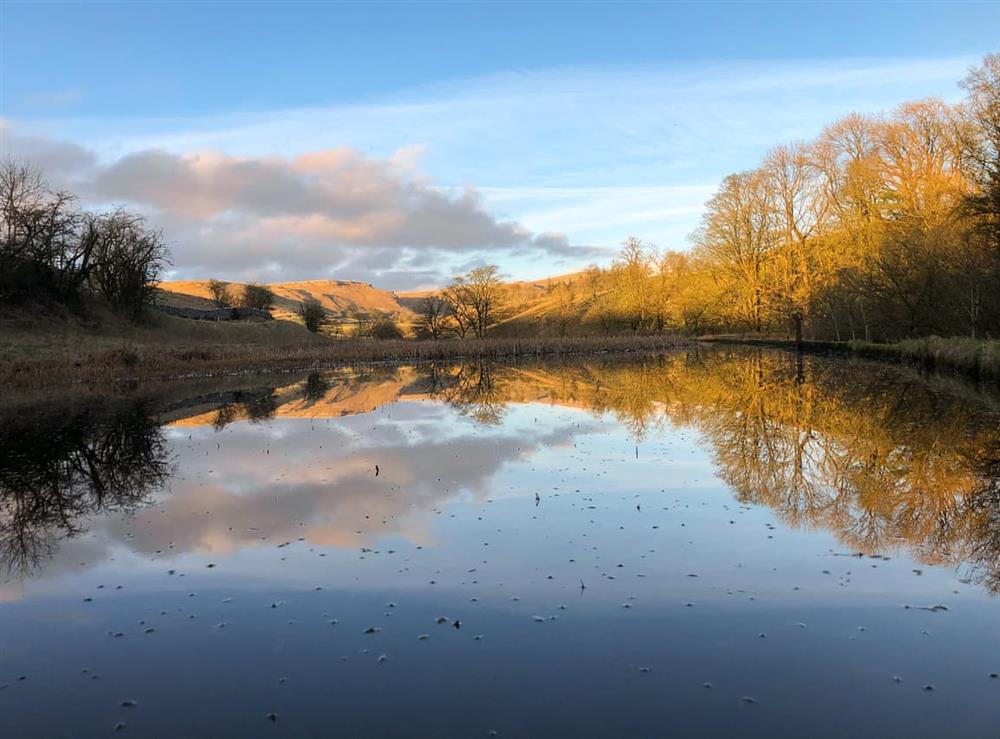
x,y
178,348
975,358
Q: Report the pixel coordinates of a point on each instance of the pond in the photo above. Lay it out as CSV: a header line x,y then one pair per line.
x,y
716,542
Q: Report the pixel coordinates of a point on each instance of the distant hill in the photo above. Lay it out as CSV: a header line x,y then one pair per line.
x,y
533,305
340,298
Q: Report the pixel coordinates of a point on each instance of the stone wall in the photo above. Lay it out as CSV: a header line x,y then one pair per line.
x,y
216,314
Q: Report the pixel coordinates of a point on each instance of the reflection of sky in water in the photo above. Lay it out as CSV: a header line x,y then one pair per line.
x,y
683,586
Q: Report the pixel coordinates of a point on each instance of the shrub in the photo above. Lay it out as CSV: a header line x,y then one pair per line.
x,y
219,291
313,315
385,329
257,296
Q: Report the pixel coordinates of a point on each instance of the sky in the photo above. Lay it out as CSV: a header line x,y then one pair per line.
x,y
402,143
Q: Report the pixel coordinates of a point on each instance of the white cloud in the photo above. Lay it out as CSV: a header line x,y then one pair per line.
x,y
330,212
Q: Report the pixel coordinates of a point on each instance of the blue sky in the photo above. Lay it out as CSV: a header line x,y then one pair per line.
x,y
534,135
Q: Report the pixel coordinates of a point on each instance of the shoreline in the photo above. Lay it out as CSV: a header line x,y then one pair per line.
x,y
119,361
128,364
974,359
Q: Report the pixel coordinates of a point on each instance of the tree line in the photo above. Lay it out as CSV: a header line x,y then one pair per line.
x,y
881,228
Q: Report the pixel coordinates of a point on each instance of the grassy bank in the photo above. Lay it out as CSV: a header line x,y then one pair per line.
x,y
38,352
175,348
975,358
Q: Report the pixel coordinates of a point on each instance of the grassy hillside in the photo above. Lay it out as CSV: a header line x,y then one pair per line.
x,y
533,306
548,306
340,298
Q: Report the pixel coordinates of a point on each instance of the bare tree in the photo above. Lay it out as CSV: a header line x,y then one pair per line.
x,y
796,184
738,235
45,243
631,271
128,259
565,311
461,310
981,142
477,300
434,318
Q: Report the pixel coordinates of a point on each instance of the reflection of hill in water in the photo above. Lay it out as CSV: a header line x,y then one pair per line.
x,y
881,458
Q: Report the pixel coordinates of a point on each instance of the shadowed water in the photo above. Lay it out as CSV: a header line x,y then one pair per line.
x,y
711,543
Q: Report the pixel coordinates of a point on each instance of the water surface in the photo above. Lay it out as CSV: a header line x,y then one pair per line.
x,y
710,543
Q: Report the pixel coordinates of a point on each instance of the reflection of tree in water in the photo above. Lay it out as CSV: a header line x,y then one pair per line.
x,y
315,388
880,458
476,390
59,467
256,406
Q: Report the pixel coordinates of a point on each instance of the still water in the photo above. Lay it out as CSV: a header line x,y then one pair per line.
x,y
712,543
